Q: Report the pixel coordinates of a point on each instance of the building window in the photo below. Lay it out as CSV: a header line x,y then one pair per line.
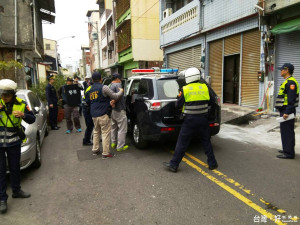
x,y
124,36
48,47
121,7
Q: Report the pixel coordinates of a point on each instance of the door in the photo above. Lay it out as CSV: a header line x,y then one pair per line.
x,y
231,79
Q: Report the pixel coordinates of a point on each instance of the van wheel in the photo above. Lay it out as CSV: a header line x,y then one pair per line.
x,y
47,131
38,160
138,139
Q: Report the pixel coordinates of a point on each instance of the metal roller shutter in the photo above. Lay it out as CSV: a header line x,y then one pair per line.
x,y
232,45
287,51
250,67
190,57
215,65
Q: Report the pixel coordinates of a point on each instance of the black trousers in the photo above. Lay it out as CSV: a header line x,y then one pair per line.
x,y
287,131
13,158
193,124
53,116
89,126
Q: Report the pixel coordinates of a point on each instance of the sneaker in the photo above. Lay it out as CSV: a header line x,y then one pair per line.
x,y
68,132
97,153
125,147
113,145
110,155
79,130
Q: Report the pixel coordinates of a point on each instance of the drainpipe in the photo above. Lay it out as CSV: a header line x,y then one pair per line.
x,y
16,36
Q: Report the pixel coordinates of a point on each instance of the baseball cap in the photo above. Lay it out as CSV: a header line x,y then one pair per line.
x,y
116,75
70,79
288,66
96,76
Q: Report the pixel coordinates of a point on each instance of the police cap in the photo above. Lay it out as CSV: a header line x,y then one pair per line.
x,y
7,86
288,66
96,76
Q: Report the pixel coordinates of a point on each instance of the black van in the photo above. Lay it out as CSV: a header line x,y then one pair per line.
x,y
150,107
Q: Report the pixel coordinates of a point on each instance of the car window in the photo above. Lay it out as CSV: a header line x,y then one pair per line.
x,y
35,102
134,87
167,89
146,88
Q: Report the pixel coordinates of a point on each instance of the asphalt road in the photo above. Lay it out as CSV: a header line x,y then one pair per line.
x,y
74,187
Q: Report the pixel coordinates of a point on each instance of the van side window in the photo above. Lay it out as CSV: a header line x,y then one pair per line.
x,y
146,88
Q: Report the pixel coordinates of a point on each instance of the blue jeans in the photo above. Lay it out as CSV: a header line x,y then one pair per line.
x,y
13,158
192,125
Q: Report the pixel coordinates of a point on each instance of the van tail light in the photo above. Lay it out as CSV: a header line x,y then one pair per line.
x,y
153,105
167,129
214,124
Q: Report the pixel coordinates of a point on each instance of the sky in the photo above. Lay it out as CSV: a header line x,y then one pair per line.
x,y
70,21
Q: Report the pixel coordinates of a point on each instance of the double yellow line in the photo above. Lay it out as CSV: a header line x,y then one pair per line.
x,y
233,192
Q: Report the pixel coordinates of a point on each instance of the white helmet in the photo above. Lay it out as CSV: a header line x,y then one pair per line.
x,y
7,86
191,74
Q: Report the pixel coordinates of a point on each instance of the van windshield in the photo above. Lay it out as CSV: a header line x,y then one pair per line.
x,y
168,89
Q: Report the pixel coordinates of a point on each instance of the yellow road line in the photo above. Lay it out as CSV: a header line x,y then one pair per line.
x,y
232,181
234,192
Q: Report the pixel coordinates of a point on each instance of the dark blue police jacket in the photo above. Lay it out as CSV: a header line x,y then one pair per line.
x,y
51,95
99,104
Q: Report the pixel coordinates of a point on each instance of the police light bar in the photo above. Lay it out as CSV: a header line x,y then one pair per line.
x,y
155,70
143,70
169,70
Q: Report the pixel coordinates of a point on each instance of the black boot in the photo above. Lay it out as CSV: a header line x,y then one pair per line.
x,y
21,194
3,206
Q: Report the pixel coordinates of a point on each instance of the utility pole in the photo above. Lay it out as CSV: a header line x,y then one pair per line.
x,y
98,45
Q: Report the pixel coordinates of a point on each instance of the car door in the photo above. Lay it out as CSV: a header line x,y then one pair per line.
x,y
36,109
130,99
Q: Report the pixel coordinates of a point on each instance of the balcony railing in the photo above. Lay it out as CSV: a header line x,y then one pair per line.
x,y
121,7
180,20
124,36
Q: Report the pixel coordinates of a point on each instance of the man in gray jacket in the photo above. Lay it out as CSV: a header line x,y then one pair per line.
x,y
118,117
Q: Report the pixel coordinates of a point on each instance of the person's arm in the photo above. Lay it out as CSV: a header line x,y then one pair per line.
x,y
27,115
107,92
291,89
48,96
180,100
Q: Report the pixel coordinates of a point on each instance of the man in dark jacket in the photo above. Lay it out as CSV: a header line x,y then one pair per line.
x,y
52,102
99,101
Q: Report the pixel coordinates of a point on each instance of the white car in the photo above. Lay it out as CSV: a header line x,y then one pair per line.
x,y
31,150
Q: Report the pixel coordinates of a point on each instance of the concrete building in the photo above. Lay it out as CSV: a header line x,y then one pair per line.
x,y
21,37
94,38
85,65
226,47
50,54
108,38
137,28
281,34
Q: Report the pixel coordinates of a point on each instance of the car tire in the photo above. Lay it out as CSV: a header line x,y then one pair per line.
x,y
138,139
38,160
47,131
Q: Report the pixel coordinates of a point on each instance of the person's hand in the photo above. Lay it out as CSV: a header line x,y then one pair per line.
x,y
18,113
285,116
113,103
180,93
51,105
121,89
1,106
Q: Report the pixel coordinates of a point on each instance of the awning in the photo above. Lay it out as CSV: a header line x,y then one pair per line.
x,y
286,27
47,5
47,17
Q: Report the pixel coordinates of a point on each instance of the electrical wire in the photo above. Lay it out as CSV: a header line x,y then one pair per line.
x,y
145,12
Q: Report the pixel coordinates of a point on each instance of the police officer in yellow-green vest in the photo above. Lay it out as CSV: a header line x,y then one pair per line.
x,y
286,103
195,100
12,111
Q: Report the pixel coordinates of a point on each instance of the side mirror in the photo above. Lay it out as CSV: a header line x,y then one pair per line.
x,y
36,110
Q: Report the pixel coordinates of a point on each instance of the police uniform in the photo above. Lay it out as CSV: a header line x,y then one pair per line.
x,y
195,100
88,119
51,96
10,147
286,103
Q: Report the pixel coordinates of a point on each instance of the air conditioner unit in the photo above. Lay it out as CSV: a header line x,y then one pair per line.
x,y
167,12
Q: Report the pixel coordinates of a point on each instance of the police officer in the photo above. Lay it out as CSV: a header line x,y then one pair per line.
x,y
99,101
286,103
88,118
51,96
194,99
12,111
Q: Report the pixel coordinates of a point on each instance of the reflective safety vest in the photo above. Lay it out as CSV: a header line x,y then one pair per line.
x,y
282,98
8,136
196,97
